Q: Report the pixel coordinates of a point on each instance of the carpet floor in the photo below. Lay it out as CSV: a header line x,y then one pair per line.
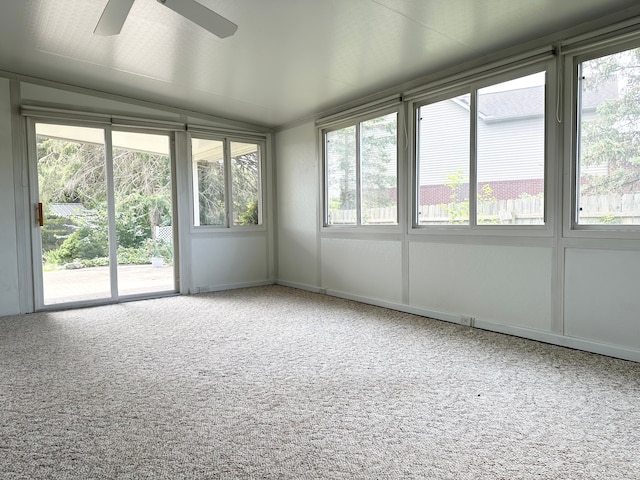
x,y
277,383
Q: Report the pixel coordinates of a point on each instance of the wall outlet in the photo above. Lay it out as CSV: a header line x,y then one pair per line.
x,y
467,320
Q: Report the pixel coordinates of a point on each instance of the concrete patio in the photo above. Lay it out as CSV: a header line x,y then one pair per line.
x,y
61,286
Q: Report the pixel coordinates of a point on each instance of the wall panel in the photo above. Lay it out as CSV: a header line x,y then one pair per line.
x,y
228,261
297,206
602,296
365,268
498,284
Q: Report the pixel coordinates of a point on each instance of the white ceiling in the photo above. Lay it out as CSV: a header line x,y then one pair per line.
x,y
289,58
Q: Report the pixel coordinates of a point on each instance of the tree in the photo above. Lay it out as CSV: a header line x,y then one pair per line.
x,y
74,172
245,176
612,138
245,187
377,155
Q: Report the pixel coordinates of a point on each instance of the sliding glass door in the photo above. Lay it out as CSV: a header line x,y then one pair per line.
x,y
143,212
103,214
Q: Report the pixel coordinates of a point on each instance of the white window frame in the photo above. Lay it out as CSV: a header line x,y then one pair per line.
x,y
471,86
228,190
572,60
357,121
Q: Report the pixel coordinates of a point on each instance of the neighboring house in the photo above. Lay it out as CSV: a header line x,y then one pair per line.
x,y
510,132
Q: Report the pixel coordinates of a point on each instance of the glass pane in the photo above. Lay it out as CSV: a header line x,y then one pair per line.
x,y
341,176
72,189
609,140
245,188
143,207
510,152
208,182
443,162
378,170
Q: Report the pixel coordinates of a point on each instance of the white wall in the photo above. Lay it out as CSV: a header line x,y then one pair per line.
x,y
602,296
368,268
228,261
297,206
9,298
512,284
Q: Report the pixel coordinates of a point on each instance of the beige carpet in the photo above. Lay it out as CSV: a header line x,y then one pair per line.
x,y
276,383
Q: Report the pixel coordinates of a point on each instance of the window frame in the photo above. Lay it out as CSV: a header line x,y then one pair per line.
x,y
228,226
571,132
356,122
472,86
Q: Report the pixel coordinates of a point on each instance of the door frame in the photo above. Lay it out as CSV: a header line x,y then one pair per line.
x,y
35,230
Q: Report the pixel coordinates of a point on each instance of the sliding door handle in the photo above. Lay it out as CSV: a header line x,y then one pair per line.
x,y
39,214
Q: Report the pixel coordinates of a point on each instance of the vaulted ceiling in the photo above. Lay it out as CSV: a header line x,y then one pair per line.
x,y
288,60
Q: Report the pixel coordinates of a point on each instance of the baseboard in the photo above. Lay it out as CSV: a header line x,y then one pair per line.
x,y
562,340
300,286
528,333
230,286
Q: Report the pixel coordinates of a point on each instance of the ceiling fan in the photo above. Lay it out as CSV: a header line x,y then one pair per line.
x,y
116,11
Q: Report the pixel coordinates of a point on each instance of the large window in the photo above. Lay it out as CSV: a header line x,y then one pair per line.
x,y
608,163
481,156
226,182
361,171
443,162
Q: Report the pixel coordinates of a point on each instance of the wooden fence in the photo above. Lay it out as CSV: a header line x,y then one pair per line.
x,y
602,209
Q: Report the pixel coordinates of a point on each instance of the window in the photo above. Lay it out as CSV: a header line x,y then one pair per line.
x,y
608,160
361,171
507,183
226,182
443,162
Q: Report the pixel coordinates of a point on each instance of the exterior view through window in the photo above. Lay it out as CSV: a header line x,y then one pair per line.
x,y
511,152
443,162
361,168
510,156
608,180
218,176
79,261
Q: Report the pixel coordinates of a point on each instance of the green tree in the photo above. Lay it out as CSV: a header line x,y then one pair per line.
x,y
612,138
378,171
245,175
211,192
74,172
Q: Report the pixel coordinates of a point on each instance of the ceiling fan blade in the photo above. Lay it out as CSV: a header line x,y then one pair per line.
x,y
113,17
201,15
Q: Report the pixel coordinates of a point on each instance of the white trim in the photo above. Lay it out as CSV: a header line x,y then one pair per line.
x,y
255,135
371,108
527,333
136,122
23,202
263,203
587,51
481,75
182,218
224,122
604,37
356,122
471,87
300,286
111,212
35,233
195,290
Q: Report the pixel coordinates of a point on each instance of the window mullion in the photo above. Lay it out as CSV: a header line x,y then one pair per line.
x,y
575,211
473,159
227,182
111,212
358,174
